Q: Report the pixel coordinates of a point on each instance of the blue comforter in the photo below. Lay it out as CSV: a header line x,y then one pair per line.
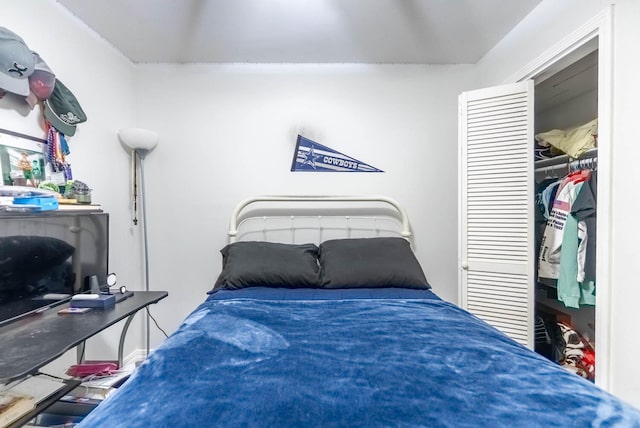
x,y
350,361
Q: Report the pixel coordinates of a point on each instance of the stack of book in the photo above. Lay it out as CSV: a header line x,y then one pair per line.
x,y
73,205
13,406
21,397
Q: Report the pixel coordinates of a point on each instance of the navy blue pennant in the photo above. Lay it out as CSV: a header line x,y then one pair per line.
x,y
312,156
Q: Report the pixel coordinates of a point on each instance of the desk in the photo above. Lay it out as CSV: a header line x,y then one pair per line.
x,y
34,341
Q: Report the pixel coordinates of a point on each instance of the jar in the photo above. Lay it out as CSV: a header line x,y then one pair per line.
x,y
83,197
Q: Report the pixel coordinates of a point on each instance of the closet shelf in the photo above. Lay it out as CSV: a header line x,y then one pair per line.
x,y
563,159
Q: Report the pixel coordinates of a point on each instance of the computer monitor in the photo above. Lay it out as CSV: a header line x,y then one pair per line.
x,y
47,257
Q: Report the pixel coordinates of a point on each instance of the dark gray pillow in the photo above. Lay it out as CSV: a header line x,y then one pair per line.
x,y
268,264
370,263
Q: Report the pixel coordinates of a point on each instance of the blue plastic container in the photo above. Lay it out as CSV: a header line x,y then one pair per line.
x,y
45,203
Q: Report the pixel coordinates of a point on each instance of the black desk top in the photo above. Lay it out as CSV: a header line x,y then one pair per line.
x,y
31,342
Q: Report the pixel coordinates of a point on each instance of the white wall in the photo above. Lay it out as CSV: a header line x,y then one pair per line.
x,y
544,27
625,254
102,81
540,31
229,132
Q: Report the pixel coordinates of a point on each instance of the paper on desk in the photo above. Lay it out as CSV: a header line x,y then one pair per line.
x,y
39,387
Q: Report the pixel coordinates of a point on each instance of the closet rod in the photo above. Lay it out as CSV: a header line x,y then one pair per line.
x,y
589,163
563,159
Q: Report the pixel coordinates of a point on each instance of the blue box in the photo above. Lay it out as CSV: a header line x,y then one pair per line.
x,y
105,301
45,203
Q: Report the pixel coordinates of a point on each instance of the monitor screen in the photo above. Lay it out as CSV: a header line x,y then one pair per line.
x,y
47,257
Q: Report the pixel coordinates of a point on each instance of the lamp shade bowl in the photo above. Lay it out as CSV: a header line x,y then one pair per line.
x,y
138,139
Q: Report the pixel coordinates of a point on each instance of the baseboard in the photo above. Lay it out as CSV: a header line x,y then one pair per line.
x,y
134,358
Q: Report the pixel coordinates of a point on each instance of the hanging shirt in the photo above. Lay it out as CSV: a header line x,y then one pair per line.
x,y
545,195
548,196
584,210
572,256
551,244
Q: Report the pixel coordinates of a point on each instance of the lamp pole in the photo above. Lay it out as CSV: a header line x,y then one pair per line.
x,y
140,142
141,155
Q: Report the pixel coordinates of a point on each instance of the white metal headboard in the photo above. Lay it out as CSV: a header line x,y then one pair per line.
x,y
294,213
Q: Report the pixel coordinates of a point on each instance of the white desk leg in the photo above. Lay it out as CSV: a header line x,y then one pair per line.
x,y
122,337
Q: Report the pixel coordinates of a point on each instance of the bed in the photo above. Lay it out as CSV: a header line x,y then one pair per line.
x,y
345,331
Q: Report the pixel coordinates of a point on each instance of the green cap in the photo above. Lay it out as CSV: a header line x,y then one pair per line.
x,y
63,110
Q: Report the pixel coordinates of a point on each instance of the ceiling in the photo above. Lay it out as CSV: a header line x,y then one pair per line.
x,y
302,31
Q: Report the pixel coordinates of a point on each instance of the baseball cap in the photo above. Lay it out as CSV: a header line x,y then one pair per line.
x,y
63,110
41,82
16,63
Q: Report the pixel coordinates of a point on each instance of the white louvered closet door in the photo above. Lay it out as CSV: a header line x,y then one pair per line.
x,y
496,208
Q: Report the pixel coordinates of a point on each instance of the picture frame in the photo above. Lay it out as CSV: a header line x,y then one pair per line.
x,y
22,159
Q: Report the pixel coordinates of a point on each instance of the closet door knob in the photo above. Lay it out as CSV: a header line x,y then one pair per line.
x,y
464,265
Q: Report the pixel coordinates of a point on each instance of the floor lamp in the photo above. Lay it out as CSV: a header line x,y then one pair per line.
x,y
140,142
